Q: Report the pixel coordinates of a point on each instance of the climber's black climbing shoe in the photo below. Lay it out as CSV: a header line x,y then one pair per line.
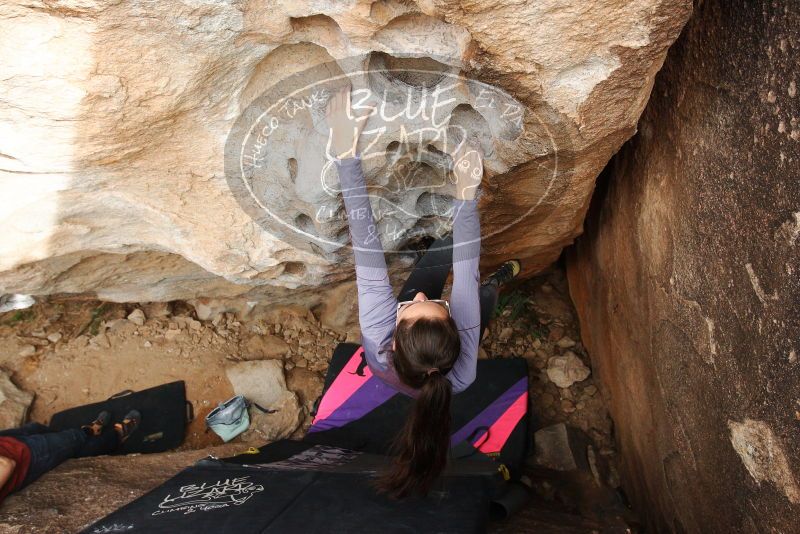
x,y
95,428
128,425
507,272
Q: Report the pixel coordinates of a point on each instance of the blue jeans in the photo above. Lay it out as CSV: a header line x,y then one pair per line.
x,y
50,449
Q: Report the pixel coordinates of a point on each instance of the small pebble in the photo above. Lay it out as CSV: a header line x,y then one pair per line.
x,y
55,337
137,317
565,342
172,334
505,334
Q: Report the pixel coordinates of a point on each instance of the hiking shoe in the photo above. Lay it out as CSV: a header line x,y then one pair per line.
x,y
95,428
128,425
507,272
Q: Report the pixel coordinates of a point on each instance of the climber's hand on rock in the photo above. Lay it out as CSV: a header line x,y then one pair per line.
x,y
467,169
344,126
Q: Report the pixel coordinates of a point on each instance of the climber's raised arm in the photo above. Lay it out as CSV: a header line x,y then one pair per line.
x,y
464,296
377,306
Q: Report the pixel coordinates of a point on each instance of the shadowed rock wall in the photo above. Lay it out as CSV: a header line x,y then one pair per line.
x,y
687,279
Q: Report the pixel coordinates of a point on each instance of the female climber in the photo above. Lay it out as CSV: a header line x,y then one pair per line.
x,y
419,344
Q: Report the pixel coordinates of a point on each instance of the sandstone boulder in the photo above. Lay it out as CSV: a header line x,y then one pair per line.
x,y
306,384
262,381
14,403
560,447
123,122
267,427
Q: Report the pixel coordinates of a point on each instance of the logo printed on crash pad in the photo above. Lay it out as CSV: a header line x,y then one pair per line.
x,y
114,527
205,497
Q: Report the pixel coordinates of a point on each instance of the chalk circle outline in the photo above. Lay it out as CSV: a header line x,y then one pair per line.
x,y
234,180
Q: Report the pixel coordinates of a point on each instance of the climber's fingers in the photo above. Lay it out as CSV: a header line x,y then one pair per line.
x,y
460,150
340,100
469,147
337,101
346,104
369,108
330,107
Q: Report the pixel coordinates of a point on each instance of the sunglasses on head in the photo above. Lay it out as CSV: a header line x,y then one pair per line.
x,y
406,303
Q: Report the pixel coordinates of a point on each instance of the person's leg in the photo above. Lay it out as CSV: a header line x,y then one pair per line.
x,y
106,443
28,429
490,290
431,272
488,303
50,449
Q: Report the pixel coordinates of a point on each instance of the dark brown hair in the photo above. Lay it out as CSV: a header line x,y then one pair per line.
x,y
421,447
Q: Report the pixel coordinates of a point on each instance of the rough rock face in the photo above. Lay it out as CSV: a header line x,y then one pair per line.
x,y
686,280
14,403
114,120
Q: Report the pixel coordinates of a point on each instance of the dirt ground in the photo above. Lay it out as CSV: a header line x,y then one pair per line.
x,y
72,352
537,321
97,353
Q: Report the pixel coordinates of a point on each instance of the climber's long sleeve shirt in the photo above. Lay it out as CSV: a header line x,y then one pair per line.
x,y
377,305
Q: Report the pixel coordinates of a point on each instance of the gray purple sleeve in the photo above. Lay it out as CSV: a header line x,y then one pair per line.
x,y
465,295
377,305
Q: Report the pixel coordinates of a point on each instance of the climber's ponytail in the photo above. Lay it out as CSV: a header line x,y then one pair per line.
x,y
422,445
425,350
